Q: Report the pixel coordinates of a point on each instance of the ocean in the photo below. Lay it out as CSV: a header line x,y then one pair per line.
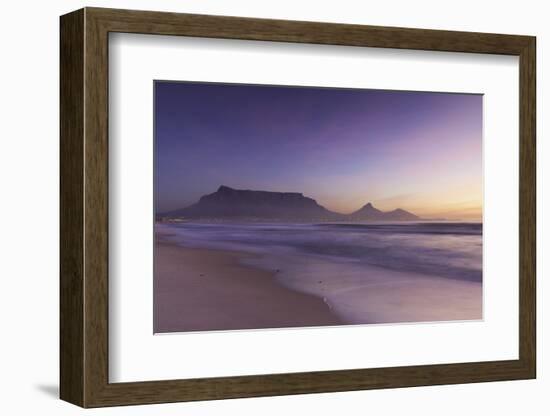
x,y
365,272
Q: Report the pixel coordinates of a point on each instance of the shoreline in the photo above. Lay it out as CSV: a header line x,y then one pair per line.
x,y
211,290
368,295
280,289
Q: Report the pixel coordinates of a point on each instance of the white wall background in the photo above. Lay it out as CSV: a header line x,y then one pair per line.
x,y
29,209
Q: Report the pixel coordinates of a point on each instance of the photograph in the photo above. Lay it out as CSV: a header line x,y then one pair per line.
x,y
282,206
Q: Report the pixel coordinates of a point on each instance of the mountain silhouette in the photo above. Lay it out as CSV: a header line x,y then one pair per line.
x,y
367,213
370,213
229,203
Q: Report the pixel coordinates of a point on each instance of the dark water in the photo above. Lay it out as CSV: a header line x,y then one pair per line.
x,y
445,249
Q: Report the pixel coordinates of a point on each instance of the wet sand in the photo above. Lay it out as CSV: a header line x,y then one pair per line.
x,y
204,290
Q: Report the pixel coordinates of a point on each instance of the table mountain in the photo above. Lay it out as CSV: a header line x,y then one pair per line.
x,y
229,203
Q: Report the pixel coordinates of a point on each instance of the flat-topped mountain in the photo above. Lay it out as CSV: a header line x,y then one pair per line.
x,y
229,203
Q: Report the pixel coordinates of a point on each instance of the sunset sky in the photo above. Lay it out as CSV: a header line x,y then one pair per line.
x,y
418,151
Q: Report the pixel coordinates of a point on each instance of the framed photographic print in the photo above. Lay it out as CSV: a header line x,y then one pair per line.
x,y
256,207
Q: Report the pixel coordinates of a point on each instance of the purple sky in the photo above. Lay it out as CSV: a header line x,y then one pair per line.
x,y
343,147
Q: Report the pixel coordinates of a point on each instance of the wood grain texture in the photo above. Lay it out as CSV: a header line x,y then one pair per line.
x,y
96,219
72,215
84,207
162,23
527,208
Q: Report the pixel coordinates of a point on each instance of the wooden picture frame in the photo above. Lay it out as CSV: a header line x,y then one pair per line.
x,y
84,207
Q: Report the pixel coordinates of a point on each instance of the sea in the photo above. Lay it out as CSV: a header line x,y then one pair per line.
x,y
365,272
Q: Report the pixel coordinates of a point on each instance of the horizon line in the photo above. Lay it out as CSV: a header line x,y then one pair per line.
x,y
303,194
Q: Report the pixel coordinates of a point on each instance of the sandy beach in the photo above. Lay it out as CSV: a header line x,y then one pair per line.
x,y
203,290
